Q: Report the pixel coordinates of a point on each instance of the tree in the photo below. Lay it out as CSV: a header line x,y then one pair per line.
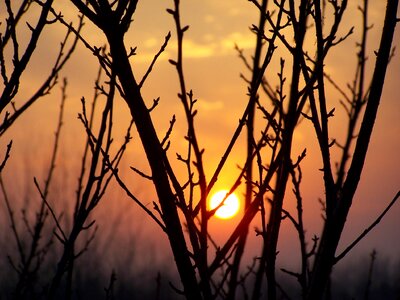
x,y
270,160
14,62
16,51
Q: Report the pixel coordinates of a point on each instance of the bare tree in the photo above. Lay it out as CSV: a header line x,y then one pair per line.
x,y
16,51
271,165
32,254
98,159
306,92
14,60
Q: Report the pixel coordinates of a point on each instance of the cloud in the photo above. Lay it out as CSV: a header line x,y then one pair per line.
x,y
213,46
193,49
151,43
205,105
244,41
209,18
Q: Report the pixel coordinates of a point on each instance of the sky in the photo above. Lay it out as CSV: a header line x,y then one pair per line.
x,y
213,69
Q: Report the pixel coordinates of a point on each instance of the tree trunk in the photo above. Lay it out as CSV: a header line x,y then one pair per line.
x,y
155,155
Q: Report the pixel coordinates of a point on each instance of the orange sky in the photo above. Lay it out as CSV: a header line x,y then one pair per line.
x,y
212,71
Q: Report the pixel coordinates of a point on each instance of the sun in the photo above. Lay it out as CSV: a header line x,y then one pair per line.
x,y
230,207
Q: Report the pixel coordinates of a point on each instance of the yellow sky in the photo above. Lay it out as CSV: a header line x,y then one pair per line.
x,y
212,71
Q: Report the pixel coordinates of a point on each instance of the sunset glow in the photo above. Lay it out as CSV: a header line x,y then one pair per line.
x,y
202,143
230,207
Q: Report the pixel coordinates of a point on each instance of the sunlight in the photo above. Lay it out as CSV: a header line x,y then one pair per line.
x,y
230,207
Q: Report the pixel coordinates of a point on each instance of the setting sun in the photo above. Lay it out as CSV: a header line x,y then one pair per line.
x,y
230,207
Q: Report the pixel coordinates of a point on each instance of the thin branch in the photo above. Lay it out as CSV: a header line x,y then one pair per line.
x,y
368,229
162,49
64,237
6,156
139,202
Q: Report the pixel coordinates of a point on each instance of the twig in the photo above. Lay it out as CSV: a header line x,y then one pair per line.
x,y
7,156
162,49
64,237
110,289
370,271
128,192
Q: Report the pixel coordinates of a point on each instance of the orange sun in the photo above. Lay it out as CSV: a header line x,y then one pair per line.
x,y
230,207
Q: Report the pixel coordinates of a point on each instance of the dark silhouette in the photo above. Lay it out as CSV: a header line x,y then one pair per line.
x,y
271,166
